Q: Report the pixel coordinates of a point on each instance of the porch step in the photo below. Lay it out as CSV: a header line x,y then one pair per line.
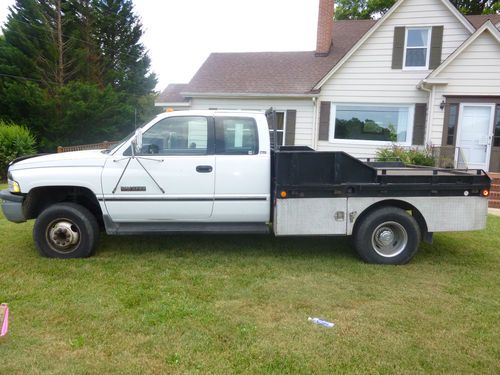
x,y
494,203
495,195
495,178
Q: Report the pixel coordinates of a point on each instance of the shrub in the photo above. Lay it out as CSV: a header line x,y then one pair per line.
x,y
411,155
15,141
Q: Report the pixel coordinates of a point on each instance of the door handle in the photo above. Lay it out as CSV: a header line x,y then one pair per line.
x,y
204,168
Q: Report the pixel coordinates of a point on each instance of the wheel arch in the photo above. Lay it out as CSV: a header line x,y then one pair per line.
x,y
39,198
415,212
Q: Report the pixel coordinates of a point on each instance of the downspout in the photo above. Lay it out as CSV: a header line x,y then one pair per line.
x,y
314,123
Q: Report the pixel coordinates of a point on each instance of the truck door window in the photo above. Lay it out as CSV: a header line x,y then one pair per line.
x,y
236,136
182,135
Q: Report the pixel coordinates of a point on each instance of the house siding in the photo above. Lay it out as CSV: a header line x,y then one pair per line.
x,y
368,77
304,108
475,72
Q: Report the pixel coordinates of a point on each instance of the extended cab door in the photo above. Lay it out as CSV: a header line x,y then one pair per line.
x,y
172,178
243,169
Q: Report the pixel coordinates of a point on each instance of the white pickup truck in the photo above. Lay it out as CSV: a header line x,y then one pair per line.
x,y
216,172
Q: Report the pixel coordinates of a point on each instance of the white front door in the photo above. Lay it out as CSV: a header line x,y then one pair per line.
x,y
173,178
474,135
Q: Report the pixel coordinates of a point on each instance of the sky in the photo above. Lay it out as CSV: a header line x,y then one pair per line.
x,y
180,34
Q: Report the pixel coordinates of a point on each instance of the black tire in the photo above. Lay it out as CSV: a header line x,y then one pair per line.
x,y
388,235
66,230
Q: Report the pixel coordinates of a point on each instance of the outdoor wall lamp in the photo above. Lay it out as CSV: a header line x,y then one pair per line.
x,y
442,104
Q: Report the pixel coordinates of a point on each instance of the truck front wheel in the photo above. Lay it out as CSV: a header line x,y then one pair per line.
x,y
66,230
388,235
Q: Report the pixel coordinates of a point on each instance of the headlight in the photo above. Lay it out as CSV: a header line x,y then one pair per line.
x,y
13,185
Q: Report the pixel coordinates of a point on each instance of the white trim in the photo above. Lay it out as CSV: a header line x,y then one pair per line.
x,y
427,47
284,127
490,132
245,95
375,27
430,116
486,26
172,104
361,142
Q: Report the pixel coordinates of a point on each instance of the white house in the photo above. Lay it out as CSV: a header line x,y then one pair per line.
x,y
423,74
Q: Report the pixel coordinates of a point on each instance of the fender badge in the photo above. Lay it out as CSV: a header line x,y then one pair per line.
x,y
133,188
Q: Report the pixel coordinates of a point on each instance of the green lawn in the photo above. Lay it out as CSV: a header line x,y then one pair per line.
x,y
239,304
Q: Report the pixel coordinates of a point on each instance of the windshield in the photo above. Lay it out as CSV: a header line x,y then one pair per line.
x,y
115,145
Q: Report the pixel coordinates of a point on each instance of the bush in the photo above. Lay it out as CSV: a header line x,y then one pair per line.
x,y
412,155
15,141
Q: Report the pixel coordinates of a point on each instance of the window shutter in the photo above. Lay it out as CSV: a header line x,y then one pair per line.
x,y
436,46
291,116
419,124
398,47
324,121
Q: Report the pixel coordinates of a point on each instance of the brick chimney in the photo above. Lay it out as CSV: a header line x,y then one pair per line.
x,y
325,27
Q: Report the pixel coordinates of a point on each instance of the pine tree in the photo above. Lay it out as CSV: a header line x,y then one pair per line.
x,y
125,60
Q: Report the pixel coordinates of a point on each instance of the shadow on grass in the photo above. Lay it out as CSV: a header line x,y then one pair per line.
x,y
229,245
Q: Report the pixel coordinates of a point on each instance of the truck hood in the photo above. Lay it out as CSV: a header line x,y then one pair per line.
x,y
92,158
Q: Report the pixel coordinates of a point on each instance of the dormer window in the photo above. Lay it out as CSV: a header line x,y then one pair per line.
x,y
417,45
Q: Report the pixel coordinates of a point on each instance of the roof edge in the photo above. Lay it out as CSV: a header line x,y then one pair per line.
x,y
488,25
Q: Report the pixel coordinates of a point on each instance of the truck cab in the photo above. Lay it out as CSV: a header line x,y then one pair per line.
x,y
212,167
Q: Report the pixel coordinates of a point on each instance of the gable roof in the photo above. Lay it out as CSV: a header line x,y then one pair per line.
x,y
468,25
487,26
274,73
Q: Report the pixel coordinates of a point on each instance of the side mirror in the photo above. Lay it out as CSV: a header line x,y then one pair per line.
x,y
137,141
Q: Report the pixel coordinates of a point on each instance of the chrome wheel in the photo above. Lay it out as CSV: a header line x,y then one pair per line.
x,y
63,236
389,239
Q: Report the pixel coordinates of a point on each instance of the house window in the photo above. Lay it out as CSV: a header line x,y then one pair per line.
x,y
417,44
280,127
374,123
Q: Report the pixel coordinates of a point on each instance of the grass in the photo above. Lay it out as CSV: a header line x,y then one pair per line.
x,y
239,304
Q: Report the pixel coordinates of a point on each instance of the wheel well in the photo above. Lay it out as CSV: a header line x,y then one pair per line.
x,y
40,198
394,203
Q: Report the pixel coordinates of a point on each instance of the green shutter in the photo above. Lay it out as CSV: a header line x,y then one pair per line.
x,y
291,116
398,47
419,124
324,121
436,46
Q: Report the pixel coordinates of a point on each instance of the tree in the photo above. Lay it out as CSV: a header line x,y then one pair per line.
x,y
74,71
126,63
366,9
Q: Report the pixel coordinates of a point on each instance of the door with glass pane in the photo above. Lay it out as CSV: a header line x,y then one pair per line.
x,y
172,178
474,134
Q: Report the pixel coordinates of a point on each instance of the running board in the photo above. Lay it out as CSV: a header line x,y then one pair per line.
x,y
180,228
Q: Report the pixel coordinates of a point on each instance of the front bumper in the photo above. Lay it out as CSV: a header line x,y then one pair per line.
x,y
12,206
